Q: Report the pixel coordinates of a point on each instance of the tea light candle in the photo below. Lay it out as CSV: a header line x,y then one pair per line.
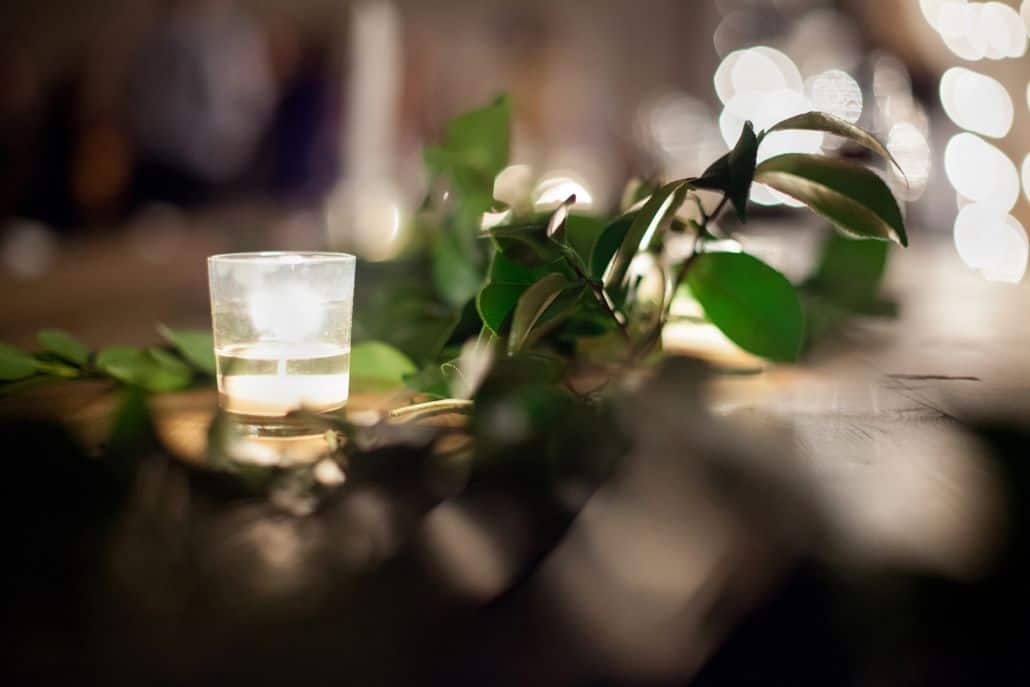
x,y
282,325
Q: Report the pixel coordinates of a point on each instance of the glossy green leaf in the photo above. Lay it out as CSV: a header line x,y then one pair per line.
x,y
753,304
196,346
582,233
662,204
851,197
608,243
827,123
374,364
16,364
534,305
64,345
732,173
526,243
506,283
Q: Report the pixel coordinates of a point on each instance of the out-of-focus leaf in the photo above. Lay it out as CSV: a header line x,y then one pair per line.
x,y
64,345
851,197
732,173
849,272
663,203
376,365
152,369
753,304
196,346
455,273
16,364
129,427
475,146
51,364
821,121
534,306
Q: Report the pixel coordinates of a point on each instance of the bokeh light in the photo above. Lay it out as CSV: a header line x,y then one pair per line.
x,y
981,172
993,242
976,102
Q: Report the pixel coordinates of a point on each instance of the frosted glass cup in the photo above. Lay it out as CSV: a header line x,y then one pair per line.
x,y
282,326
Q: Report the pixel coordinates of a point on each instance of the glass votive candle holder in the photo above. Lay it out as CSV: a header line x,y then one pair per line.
x,y
282,329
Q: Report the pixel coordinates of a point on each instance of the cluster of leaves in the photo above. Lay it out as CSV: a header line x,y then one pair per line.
x,y
560,283
172,367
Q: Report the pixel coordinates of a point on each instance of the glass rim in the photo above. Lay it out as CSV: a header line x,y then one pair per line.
x,y
301,256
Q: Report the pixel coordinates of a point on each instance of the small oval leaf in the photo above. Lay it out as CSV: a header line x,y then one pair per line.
x,y
64,346
827,123
753,304
850,196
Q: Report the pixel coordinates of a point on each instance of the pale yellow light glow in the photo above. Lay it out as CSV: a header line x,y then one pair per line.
x,y
288,388
976,102
981,172
992,242
365,217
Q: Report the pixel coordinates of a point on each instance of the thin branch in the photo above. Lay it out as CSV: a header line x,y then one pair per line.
x,y
431,409
603,298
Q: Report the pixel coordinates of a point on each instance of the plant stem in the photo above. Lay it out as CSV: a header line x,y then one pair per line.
x,y
681,274
602,298
432,408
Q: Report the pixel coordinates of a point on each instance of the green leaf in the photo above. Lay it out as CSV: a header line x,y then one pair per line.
x,y
663,203
608,243
526,243
821,121
16,364
849,272
152,369
732,173
534,308
196,346
51,364
377,365
582,233
753,304
507,281
850,196
64,345
475,146
455,273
